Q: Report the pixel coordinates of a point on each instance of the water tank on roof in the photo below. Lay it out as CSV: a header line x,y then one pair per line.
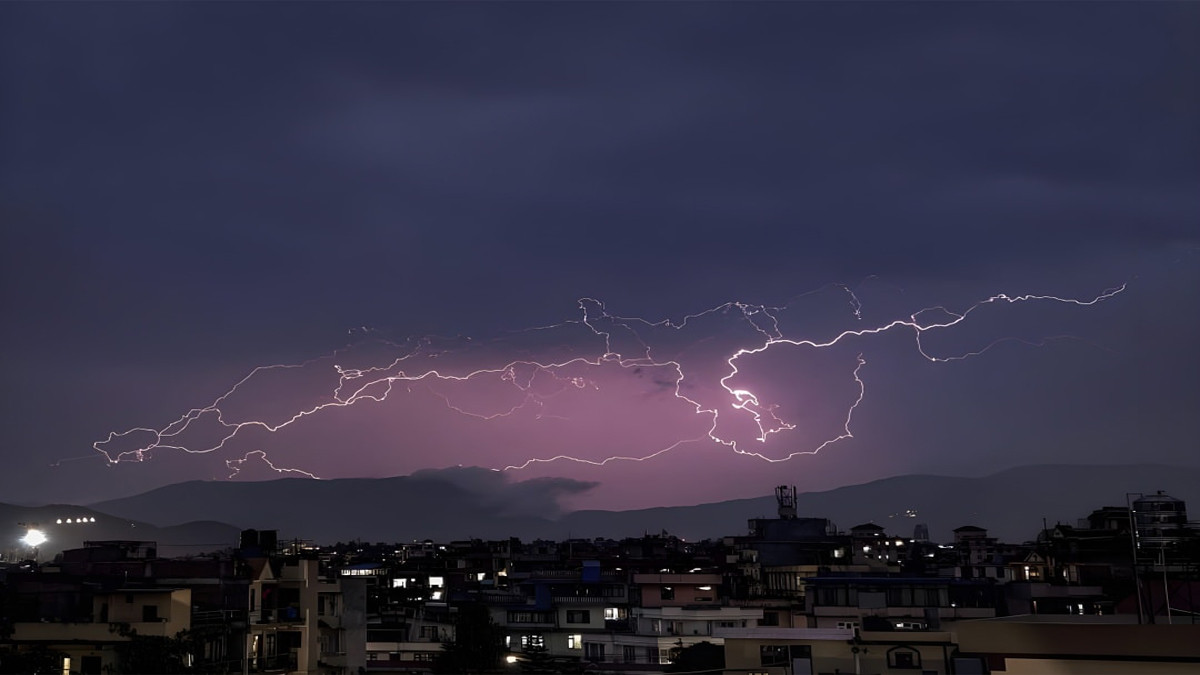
x,y
1160,518
787,501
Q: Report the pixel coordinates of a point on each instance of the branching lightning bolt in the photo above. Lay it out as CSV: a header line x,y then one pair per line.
x,y
376,383
236,465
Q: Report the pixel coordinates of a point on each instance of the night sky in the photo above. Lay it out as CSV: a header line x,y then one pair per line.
x,y
404,203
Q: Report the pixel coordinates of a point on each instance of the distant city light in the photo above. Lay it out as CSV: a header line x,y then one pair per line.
x,y
33,537
75,521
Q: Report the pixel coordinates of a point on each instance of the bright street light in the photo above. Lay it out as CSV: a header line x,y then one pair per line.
x,y
34,537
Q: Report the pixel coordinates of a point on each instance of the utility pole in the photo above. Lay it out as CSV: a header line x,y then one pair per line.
x,y
1162,557
1137,581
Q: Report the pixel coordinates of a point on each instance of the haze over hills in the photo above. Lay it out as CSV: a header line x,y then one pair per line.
x,y
176,540
441,505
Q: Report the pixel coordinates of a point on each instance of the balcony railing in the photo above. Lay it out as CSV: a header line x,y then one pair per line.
x,y
285,662
585,600
280,615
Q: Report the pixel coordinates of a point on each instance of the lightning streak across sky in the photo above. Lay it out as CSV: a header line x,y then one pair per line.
x,y
708,373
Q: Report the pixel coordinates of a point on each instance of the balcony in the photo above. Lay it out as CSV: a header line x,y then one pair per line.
x,y
505,598
522,625
283,662
86,632
678,579
585,600
285,615
617,625
333,660
566,575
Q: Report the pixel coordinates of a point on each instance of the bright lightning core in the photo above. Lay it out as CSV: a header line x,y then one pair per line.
x,y
769,383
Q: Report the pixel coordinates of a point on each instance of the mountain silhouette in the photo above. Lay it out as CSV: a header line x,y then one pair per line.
x,y
1010,504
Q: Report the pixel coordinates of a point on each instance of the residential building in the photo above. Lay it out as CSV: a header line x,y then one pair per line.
x,y
302,621
90,645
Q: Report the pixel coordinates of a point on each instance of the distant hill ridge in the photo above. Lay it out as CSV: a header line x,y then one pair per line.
x,y
1010,504
176,540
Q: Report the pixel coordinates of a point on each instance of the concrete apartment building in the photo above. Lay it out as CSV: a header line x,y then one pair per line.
x,y
1023,645
412,647
302,621
92,603
897,603
561,611
813,651
89,647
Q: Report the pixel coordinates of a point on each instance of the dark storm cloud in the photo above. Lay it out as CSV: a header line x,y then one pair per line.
x,y
321,137
193,189
505,496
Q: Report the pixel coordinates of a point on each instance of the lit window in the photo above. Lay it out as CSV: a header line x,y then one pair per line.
x,y
574,642
773,655
533,642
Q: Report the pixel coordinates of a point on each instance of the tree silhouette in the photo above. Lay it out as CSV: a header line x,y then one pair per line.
x,y
477,645
697,658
